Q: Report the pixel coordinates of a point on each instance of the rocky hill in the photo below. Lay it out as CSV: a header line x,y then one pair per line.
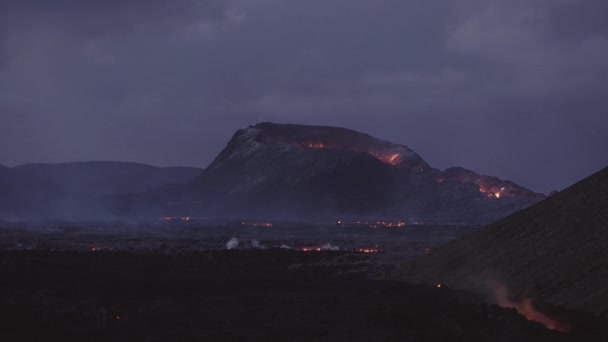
x,y
555,251
284,170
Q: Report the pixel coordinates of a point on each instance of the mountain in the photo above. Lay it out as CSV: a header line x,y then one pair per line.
x,y
75,190
555,251
286,170
106,177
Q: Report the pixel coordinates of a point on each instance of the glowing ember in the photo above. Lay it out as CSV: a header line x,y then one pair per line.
x,y
333,248
390,155
314,145
366,250
95,249
491,193
392,159
257,224
376,224
439,286
170,218
309,249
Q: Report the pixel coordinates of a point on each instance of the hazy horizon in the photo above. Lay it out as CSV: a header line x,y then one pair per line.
x,y
514,89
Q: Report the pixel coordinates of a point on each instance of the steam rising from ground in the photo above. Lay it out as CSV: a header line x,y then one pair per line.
x,y
233,243
330,247
257,245
525,308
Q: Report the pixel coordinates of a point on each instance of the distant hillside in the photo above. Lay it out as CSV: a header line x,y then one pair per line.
x,y
555,251
79,190
106,177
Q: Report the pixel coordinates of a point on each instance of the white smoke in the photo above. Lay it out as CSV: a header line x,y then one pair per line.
x,y
285,247
256,244
329,247
233,243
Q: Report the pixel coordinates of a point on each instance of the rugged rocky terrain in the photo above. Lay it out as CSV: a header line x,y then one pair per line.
x,y
555,251
279,170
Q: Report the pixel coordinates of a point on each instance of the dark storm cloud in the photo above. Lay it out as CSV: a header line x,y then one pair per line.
x,y
515,89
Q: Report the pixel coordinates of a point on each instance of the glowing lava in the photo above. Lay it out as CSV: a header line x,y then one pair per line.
x,y
392,158
257,224
315,145
170,218
525,308
386,155
376,224
492,192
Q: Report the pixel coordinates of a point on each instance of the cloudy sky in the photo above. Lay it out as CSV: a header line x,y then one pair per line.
x,y
517,89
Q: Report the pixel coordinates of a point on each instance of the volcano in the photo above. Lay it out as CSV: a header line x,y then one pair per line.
x,y
287,170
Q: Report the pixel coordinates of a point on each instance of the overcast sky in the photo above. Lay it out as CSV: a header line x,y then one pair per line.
x,y
516,89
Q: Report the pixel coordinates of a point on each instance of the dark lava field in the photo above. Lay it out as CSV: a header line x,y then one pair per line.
x,y
84,283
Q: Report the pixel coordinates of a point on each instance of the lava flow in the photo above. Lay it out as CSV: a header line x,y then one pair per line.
x,y
376,224
388,155
492,192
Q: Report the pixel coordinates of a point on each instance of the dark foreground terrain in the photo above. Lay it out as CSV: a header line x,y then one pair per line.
x,y
555,251
241,295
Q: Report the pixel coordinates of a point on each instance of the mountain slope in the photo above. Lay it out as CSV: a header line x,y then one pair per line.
x,y
78,190
276,170
555,251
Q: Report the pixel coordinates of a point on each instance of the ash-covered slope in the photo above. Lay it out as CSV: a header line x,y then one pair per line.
x,y
280,170
555,251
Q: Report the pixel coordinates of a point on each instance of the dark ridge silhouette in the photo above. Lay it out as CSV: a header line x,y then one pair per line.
x,y
78,190
555,251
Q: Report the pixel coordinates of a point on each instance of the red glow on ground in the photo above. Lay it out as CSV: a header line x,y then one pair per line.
x,y
355,250
171,218
385,156
257,224
372,224
392,158
525,308
367,250
493,192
